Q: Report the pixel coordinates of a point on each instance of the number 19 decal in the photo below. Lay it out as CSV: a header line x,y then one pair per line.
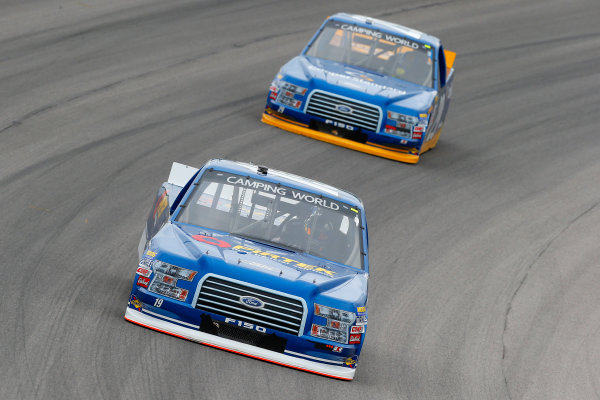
x,y
158,303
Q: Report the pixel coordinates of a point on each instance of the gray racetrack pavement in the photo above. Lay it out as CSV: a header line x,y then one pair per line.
x,y
485,281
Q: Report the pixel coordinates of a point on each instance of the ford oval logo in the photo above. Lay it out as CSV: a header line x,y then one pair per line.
x,y
252,302
344,109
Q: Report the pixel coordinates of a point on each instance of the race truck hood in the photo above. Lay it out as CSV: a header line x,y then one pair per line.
x,y
250,261
358,83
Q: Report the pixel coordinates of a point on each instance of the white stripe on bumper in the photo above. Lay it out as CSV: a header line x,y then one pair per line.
x,y
148,321
170,319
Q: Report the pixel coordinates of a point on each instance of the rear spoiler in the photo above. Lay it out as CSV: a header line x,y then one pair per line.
x,y
450,56
181,174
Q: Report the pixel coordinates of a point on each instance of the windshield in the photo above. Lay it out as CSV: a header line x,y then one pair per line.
x,y
374,50
276,215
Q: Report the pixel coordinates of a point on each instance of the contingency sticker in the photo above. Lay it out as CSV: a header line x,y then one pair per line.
x,y
146,262
143,271
135,302
143,282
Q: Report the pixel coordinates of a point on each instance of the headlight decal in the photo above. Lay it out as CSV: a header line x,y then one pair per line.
x,y
174,271
338,323
406,126
295,89
165,279
168,290
284,93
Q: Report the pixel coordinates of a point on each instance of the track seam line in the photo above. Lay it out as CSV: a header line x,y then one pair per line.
x,y
528,270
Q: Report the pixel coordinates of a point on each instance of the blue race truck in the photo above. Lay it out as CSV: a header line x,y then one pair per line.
x,y
258,262
368,85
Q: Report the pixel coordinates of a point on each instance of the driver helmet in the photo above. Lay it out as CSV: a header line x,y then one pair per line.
x,y
318,226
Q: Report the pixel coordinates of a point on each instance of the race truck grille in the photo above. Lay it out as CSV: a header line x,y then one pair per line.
x,y
267,309
341,109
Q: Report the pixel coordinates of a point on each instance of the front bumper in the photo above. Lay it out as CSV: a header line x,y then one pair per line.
x,y
291,359
410,156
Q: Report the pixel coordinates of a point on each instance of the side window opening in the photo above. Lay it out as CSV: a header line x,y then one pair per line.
x,y
442,67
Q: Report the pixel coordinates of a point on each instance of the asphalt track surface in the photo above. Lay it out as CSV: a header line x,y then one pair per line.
x,y
485,280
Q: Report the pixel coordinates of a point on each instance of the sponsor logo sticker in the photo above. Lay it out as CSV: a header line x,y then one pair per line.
x,y
211,240
143,271
351,361
135,303
354,338
357,329
143,282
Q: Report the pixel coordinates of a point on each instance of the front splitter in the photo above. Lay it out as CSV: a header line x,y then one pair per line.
x,y
339,141
207,339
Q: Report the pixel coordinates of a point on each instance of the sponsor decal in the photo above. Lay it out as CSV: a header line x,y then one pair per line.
x,y
143,282
143,271
354,338
246,325
287,261
379,35
135,303
211,240
283,191
357,79
146,262
151,253
313,199
258,185
252,302
361,30
351,361
337,349
361,316
357,329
